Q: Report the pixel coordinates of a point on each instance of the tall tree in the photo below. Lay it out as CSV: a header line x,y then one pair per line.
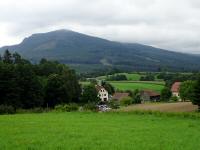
x,y
17,58
9,90
166,94
55,92
31,94
90,94
71,85
195,97
108,87
7,57
186,90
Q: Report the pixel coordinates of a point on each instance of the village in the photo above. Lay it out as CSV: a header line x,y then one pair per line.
x,y
146,96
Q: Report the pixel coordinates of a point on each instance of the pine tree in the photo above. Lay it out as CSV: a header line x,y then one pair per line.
x,y
7,57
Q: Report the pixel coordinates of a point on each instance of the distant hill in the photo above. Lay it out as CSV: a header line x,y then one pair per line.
x,y
87,53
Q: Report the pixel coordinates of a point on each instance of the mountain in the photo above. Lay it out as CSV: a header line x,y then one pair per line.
x,y
89,53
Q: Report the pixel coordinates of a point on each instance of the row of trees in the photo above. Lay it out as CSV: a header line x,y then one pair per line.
x,y
26,85
116,77
189,90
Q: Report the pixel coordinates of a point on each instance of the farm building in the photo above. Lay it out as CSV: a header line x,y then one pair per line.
x,y
149,95
118,96
175,89
102,93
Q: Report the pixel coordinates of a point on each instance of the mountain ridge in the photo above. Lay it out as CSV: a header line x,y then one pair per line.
x,y
77,49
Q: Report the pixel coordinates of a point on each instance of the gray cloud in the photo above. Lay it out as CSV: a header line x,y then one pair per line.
x,y
171,24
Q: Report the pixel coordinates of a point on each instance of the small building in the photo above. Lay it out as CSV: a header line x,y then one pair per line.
x,y
102,93
119,96
175,89
149,95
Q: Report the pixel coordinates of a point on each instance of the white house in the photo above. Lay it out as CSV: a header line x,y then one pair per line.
x,y
175,89
102,93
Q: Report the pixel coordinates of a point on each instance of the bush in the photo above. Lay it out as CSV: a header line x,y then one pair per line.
x,y
114,104
59,108
6,109
165,94
67,107
126,101
71,107
90,107
33,110
174,99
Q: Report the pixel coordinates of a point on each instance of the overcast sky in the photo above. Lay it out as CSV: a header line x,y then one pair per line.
x,y
169,24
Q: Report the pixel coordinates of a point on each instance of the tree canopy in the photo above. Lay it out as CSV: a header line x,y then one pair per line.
x,y
26,85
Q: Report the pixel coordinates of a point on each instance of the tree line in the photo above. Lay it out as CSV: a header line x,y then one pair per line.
x,y
26,85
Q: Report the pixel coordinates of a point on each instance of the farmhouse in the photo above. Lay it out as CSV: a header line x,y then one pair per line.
x,y
102,93
175,89
149,95
119,96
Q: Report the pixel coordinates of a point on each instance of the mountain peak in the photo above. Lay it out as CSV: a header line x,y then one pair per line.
x,y
83,50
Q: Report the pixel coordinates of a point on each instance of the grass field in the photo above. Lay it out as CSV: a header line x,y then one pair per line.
x,y
130,76
124,85
132,85
97,131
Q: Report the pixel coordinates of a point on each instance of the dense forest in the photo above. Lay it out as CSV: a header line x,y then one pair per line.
x,y
26,85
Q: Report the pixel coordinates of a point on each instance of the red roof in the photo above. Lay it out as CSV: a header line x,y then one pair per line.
x,y
118,96
151,93
176,87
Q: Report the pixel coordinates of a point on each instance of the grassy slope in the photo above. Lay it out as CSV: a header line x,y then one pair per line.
x,y
89,131
132,85
138,85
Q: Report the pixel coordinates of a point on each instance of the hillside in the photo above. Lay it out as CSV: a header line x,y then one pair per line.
x,y
88,53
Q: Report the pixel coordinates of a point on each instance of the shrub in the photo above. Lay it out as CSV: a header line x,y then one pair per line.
x,y
59,108
126,101
90,107
4,109
33,110
67,107
37,110
114,104
71,107
174,98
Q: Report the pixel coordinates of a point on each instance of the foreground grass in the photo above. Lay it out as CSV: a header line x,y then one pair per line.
x,y
99,131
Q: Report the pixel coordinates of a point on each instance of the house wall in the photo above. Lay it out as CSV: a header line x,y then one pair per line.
x,y
145,97
103,95
177,95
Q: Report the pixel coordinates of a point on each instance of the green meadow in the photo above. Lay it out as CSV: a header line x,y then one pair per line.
x,y
124,85
98,131
130,76
132,85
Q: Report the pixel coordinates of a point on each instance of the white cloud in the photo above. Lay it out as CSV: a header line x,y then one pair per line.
x,y
171,24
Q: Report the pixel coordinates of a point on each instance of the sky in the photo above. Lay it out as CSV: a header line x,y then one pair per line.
x,y
167,24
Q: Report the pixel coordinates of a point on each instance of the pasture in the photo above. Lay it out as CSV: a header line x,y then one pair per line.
x,y
124,85
132,85
99,131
